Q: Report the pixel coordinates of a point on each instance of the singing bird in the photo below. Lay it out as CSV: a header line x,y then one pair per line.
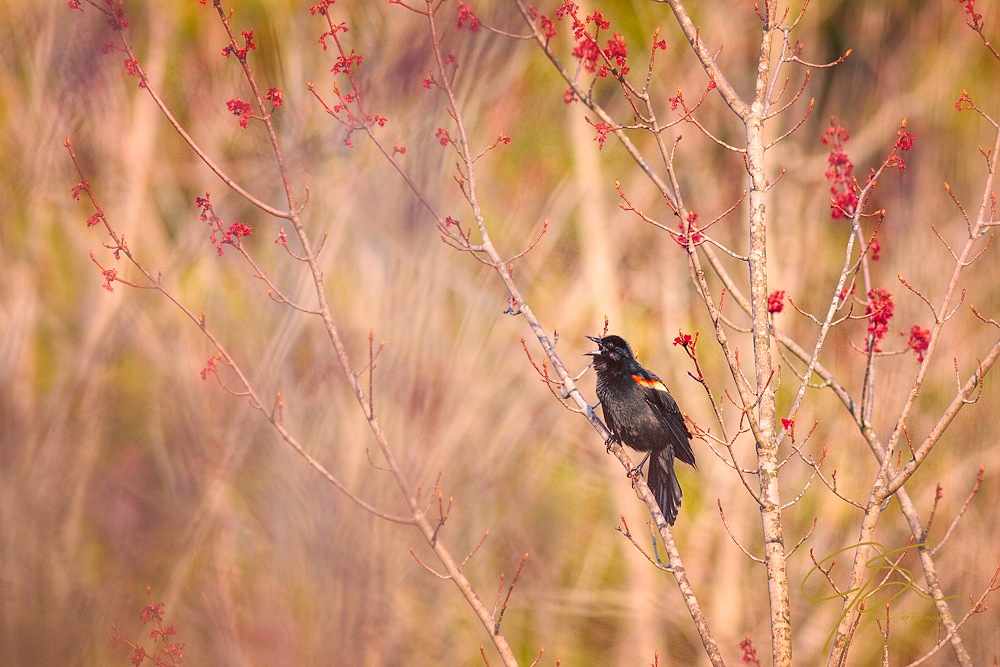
x,y
641,413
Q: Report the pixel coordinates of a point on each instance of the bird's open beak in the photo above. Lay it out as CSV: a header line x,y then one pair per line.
x,y
595,352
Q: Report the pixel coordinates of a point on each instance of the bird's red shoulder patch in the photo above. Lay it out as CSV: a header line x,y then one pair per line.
x,y
649,382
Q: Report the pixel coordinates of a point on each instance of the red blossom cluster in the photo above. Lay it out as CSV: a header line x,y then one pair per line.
x,y
567,8
465,13
545,23
840,170
132,69
230,235
347,63
443,137
220,235
274,96
171,653
749,651
875,249
789,425
684,340
321,7
241,53
919,341
776,301
282,239
840,173
138,656
693,229
617,51
588,51
676,101
79,189
345,99
151,611
110,275
349,108
904,142
975,20
548,27
241,110
879,311
603,130
162,633
211,367
339,27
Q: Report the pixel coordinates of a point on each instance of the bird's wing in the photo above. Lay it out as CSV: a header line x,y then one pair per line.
x,y
659,398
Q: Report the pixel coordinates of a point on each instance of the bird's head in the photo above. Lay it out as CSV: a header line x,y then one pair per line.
x,y
610,350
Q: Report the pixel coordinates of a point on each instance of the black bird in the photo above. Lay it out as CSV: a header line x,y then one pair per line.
x,y
642,414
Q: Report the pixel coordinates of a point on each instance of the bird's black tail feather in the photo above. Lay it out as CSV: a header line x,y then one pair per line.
x,y
663,483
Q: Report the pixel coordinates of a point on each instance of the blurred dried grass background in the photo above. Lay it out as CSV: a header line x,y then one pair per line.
x,y
119,467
